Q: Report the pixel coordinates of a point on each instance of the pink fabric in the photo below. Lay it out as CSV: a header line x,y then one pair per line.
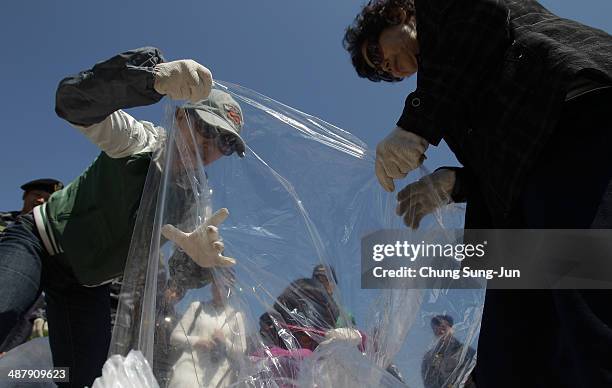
x,y
275,351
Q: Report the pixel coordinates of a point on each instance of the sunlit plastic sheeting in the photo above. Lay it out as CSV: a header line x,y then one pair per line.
x,y
342,365
132,371
299,201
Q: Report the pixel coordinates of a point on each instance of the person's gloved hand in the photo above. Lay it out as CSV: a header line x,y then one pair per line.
x,y
203,245
345,334
420,198
183,80
218,336
398,154
204,344
40,328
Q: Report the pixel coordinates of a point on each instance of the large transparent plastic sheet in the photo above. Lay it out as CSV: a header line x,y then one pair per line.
x,y
303,196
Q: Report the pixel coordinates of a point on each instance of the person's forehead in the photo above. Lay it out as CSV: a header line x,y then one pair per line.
x,y
440,323
223,283
364,53
36,192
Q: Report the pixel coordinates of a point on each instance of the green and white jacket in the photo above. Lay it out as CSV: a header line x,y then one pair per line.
x,y
88,225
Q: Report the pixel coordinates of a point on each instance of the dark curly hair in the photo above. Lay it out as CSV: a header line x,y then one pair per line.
x,y
437,320
369,23
306,303
302,312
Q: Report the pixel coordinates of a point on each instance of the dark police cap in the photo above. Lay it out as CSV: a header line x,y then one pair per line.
x,y
47,184
437,320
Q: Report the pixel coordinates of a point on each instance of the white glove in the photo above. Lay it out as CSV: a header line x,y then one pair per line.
x,y
398,154
40,328
420,198
351,336
183,80
203,245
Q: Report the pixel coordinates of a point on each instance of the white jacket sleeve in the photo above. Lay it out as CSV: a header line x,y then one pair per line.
x,y
120,135
236,346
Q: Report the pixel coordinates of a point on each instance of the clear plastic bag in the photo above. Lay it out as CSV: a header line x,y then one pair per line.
x,y
291,312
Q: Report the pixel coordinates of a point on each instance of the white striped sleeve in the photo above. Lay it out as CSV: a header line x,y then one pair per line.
x,y
45,232
121,135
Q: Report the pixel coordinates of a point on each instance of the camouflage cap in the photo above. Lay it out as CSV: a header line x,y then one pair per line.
x,y
221,111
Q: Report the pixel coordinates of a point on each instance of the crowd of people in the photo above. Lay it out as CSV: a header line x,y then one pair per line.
x,y
519,94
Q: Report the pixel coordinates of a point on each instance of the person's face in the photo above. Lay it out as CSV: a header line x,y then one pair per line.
x,y
34,198
305,341
326,283
206,147
210,151
172,295
442,329
220,293
266,330
397,50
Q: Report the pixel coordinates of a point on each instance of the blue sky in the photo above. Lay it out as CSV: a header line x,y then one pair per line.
x,y
288,50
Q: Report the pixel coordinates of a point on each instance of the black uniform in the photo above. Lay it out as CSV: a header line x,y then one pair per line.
x,y
7,218
444,364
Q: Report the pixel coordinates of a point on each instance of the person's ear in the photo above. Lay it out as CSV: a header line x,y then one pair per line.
x,y
396,15
411,21
179,114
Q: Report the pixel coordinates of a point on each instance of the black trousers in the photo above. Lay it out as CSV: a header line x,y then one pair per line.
x,y
555,338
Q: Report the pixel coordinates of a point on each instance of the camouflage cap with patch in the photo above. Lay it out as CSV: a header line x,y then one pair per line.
x,y
221,111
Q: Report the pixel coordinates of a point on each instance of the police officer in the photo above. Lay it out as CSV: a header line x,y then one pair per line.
x,y
33,322
35,193
448,359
